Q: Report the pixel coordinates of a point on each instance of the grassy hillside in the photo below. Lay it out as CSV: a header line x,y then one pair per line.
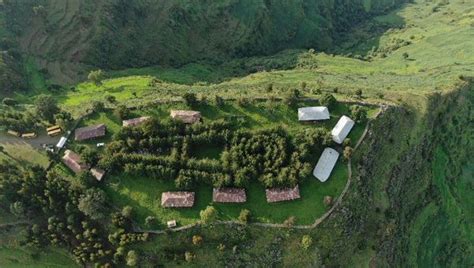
x,y
69,36
410,201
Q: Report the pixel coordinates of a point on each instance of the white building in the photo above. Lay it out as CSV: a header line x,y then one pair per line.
x,y
313,113
325,164
61,142
342,129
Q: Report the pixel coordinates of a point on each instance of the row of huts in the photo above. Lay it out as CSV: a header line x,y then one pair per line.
x,y
183,199
74,161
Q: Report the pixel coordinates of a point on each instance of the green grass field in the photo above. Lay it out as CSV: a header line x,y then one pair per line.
x,y
13,255
23,153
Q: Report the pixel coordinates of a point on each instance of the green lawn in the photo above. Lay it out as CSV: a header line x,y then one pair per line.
x,y
144,195
23,153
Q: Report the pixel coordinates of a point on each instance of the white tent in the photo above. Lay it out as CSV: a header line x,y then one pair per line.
x,y
313,113
325,164
342,129
61,142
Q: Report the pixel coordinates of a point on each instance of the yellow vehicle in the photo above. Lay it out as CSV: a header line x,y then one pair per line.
x,y
29,135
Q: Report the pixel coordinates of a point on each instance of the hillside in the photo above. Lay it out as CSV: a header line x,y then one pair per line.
x,y
406,189
69,35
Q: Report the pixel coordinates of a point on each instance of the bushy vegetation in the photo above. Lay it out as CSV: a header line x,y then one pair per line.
x,y
164,150
63,215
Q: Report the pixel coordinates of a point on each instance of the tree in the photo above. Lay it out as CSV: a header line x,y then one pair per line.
x,y
358,93
46,107
92,203
127,212
98,106
327,100
122,112
306,242
346,142
150,221
197,240
190,99
87,179
269,87
189,256
358,113
219,101
303,85
292,98
17,208
90,156
208,215
63,119
96,77
111,99
244,216
348,152
405,55
40,11
132,258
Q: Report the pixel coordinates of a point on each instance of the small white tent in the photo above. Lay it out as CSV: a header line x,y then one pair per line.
x,y
325,164
342,129
313,113
61,142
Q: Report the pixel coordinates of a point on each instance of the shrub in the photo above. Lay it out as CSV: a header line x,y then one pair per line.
x,y
96,77
208,215
219,101
269,87
348,152
306,242
190,99
243,102
197,240
127,212
132,258
98,106
111,99
303,85
150,221
358,93
358,113
189,256
346,142
291,100
290,221
328,100
244,216
122,112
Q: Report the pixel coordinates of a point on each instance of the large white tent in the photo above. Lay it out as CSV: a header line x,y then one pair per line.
x,y
342,129
313,113
325,164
